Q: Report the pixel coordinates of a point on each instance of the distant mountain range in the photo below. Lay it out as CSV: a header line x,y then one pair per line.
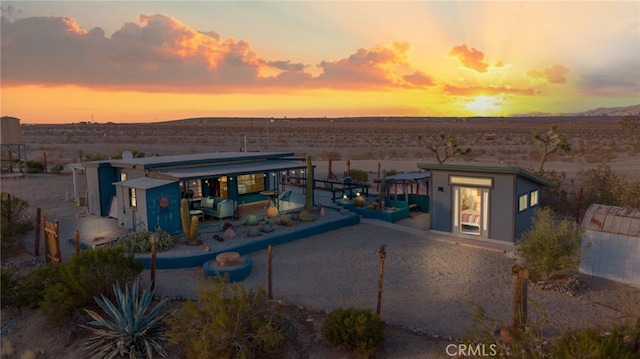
x,y
600,111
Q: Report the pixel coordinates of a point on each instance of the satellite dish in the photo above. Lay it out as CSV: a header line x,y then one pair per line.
x,y
127,155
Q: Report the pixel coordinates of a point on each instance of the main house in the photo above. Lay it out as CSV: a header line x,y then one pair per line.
x,y
482,202
145,193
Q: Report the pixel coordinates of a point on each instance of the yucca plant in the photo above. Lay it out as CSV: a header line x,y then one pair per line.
x,y
132,329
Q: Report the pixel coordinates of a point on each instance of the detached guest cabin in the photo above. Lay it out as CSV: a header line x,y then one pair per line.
x,y
145,193
482,202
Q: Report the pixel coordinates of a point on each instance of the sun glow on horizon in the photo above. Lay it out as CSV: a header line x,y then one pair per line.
x,y
485,105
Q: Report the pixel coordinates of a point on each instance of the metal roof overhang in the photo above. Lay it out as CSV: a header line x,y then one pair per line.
x,y
187,173
408,176
143,183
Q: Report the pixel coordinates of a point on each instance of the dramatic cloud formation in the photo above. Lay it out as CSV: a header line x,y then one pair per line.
x,y
386,66
160,53
556,74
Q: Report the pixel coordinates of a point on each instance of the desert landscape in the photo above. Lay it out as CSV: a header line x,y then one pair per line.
x,y
358,143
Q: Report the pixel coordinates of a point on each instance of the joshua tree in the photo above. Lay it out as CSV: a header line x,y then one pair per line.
x,y
445,147
550,142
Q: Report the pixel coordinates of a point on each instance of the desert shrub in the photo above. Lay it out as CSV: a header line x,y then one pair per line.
x,y
31,287
57,169
358,330
330,155
550,248
8,282
140,242
499,340
228,322
13,221
589,343
35,167
558,195
85,275
357,176
95,157
602,185
133,327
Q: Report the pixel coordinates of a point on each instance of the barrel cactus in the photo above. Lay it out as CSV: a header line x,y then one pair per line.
x,y
252,220
266,228
306,216
254,232
358,201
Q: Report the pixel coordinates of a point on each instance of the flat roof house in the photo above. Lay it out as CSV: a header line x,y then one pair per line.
x,y
145,193
482,202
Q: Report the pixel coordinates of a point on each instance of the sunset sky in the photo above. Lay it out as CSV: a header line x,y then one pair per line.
x,y
142,61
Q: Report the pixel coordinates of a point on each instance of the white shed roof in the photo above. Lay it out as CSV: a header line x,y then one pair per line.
x,y
612,219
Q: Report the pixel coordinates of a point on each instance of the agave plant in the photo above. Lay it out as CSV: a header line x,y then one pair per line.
x,y
132,329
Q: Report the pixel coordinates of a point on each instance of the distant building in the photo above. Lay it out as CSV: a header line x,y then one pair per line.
x,y
145,193
482,202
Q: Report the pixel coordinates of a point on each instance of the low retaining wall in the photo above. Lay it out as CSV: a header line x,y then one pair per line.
x,y
401,212
197,260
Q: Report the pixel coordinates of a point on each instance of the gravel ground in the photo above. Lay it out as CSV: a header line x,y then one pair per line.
x,y
429,280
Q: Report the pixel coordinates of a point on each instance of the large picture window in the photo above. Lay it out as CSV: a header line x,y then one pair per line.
x,y
251,183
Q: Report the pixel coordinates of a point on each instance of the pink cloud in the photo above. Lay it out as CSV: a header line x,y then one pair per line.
x,y
556,74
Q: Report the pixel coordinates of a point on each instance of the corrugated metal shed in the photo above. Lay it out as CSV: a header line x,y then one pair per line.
x,y
612,219
611,244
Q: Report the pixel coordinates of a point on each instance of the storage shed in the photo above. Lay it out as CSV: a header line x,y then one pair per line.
x,y
611,244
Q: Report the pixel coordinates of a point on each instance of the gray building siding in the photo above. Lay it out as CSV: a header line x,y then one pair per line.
x,y
501,208
441,200
523,218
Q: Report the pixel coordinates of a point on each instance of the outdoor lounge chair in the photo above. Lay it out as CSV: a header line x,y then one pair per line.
x,y
286,196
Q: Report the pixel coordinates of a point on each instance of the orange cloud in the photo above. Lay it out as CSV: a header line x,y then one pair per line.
x,y
382,65
469,58
486,90
160,53
556,74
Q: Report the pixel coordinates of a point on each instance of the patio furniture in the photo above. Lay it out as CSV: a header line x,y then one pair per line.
x,y
218,207
286,196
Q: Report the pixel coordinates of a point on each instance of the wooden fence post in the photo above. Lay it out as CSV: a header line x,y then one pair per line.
x,y
382,254
269,273
520,279
36,242
77,242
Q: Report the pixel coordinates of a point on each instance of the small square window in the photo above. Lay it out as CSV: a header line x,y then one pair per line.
x,y
533,199
522,202
133,202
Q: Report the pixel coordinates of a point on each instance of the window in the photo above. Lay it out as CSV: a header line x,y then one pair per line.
x,y
251,183
534,199
123,176
132,197
522,202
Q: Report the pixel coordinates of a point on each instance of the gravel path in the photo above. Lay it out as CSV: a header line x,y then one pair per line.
x,y
429,280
